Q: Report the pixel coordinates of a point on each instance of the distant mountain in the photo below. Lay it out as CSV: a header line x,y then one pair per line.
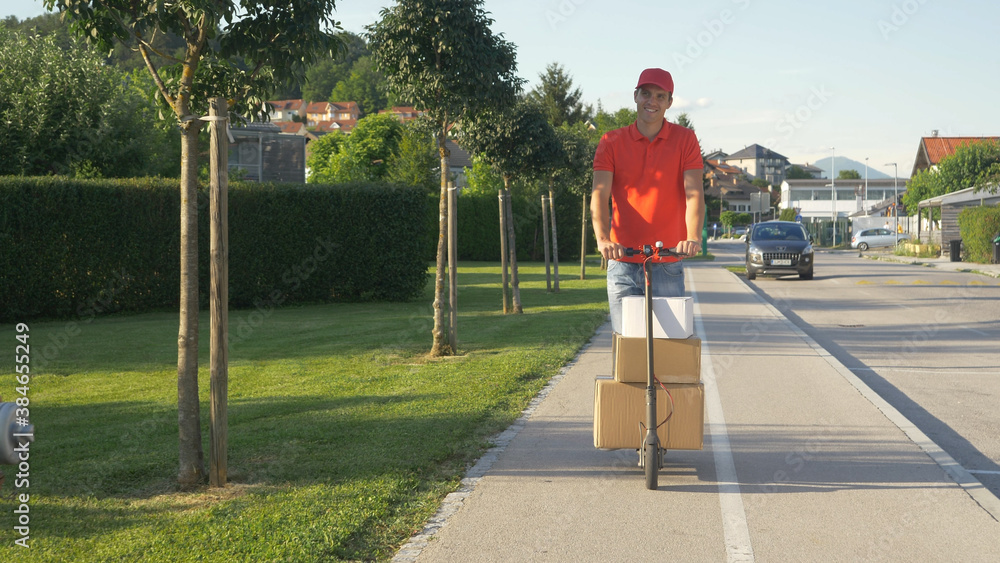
x,y
844,163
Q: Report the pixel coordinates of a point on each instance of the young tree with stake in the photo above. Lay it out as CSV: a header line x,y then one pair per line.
x,y
238,50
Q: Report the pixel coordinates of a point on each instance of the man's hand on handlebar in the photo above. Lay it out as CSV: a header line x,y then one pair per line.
x,y
688,247
611,250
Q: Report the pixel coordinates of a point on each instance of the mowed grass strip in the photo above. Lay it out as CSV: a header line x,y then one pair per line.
x,y
343,435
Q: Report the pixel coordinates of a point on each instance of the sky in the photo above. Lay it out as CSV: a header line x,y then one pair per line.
x,y
810,80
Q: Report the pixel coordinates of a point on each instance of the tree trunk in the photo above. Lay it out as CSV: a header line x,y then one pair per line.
x,y
440,346
503,249
555,240
583,240
192,464
512,249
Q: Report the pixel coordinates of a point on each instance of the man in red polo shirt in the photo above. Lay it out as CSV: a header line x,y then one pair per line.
x,y
652,173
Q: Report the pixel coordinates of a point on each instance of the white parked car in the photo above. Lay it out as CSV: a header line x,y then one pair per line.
x,y
874,238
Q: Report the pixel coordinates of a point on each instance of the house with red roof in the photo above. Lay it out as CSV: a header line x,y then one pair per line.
x,y
404,113
287,110
932,149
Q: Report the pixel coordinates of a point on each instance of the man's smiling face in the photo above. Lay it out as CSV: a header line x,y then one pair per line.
x,y
651,102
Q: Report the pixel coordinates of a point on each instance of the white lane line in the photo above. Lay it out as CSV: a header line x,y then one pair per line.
x,y
982,472
734,518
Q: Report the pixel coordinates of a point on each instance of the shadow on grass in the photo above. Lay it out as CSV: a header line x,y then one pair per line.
x,y
128,449
148,343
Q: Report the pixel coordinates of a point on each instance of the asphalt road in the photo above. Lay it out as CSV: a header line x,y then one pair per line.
x,y
924,339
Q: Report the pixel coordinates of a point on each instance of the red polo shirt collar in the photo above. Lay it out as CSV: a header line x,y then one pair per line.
x,y
635,135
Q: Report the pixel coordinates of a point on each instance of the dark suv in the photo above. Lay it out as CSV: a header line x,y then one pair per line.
x,y
779,247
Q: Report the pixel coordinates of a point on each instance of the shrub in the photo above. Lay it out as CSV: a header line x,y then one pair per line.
x,y
978,227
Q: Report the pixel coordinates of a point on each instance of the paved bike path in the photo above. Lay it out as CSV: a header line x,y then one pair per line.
x,y
798,465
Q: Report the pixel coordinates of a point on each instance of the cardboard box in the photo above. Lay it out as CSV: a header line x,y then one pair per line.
x,y
674,360
673,317
620,407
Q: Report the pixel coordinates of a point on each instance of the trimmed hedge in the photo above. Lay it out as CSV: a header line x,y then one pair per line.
x,y
79,248
479,227
978,226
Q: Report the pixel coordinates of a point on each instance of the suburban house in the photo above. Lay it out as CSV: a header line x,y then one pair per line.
x,y
294,128
404,113
344,126
930,152
932,149
809,169
458,160
288,110
760,162
717,154
729,184
345,114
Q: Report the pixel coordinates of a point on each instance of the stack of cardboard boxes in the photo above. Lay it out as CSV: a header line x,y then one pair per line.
x,y
620,400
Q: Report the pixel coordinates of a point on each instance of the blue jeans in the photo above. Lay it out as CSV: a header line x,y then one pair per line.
x,y
626,278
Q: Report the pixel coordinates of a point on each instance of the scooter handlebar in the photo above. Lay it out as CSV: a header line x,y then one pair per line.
x,y
648,250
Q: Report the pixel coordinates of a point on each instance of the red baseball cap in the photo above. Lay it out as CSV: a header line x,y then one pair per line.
x,y
656,76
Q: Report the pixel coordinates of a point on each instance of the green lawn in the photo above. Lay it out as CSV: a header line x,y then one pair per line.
x,y
343,435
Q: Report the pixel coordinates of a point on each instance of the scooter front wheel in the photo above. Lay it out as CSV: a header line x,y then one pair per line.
x,y
652,465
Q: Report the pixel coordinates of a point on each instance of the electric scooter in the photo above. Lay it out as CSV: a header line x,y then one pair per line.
x,y
650,453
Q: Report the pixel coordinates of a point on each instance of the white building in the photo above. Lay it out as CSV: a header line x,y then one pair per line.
x,y
814,199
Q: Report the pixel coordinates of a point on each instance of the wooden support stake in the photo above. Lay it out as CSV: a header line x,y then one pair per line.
x,y
452,268
545,241
219,300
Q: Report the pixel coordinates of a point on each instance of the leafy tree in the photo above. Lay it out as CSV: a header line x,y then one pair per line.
x,y
787,214
728,219
361,156
237,50
604,121
322,76
797,173
63,111
848,175
364,85
685,121
575,175
442,56
482,178
760,183
322,151
517,142
558,98
416,162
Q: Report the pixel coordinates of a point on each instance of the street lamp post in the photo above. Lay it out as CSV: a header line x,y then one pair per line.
x,y
833,190
864,198
895,198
